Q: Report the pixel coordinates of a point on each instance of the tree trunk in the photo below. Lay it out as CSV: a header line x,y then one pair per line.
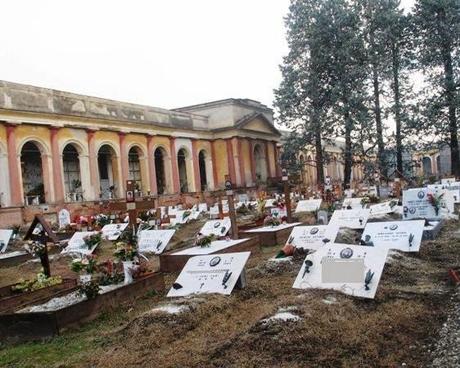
x,y
397,109
450,96
378,120
348,155
319,151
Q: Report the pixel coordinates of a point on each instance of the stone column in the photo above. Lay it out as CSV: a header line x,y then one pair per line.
x,y
56,157
174,167
196,166
47,170
93,169
123,161
252,161
241,163
151,161
270,172
231,161
277,163
16,189
214,164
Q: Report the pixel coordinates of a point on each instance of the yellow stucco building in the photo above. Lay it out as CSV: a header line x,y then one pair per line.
x,y
58,147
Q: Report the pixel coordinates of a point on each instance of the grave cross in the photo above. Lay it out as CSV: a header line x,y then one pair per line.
x,y
287,195
231,207
131,205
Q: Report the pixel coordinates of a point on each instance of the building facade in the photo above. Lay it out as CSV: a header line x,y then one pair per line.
x,y
58,147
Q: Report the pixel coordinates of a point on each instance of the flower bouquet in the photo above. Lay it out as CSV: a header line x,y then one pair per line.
x,y
365,201
101,220
435,201
271,221
90,289
186,214
87,265
204,241
92,240
127,254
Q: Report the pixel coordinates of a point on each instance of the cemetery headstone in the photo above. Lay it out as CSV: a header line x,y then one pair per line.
x,y
113,231
64,218
154,241
308,205
351,269
353,219
216,273
5,236
402,235
383,208
77,244
216,227
352,203
312,237
215,246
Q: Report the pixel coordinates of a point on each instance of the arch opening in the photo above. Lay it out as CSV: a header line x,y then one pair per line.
x,y
134,168
107,165
72,174
32,174
202,166
182,166
160,171
426,163
261,167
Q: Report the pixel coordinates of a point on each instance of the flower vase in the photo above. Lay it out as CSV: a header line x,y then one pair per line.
x,y
127,270
84,279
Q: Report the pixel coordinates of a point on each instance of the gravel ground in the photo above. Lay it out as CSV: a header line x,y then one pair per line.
x,y
446,353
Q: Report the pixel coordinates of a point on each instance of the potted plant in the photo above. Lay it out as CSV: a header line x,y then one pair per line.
x,y
271,221
92,240
127,254
87,265
204,241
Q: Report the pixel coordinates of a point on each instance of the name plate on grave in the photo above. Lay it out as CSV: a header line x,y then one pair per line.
x,y
216,273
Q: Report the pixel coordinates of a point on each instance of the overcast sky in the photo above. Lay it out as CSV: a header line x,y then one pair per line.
x,y
164,53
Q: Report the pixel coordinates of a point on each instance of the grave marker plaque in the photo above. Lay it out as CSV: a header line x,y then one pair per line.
x,y
77,244
312,237
113,231
401,235
216,273
353,270
216,227
5,236
353,219
308,205
154,241
64,218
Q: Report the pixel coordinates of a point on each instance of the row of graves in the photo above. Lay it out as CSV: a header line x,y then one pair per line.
x,y
213,260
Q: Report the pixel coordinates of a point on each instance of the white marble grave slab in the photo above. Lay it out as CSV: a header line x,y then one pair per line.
x,y
383,208
308,205
448,181
215,246
270,229
63,218
154,241
343,267
402,235
311,237
353,219
216,273
76,243
216,227
113,231
354,203
5,236
416,204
